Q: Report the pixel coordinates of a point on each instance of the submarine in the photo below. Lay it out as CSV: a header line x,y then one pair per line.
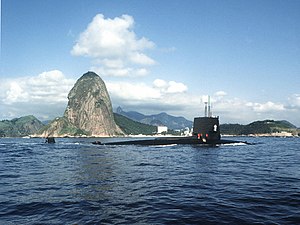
x,y
206,131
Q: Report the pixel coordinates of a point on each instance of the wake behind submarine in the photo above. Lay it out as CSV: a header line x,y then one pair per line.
x,y
206,131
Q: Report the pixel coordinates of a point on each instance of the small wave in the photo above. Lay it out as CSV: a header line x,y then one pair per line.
x,y
146,164
163,146
235,144
10,176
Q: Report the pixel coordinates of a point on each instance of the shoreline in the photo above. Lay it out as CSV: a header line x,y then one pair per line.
x,y
285,134
280,135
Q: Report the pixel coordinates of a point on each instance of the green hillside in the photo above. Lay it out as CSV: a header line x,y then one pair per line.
x,y
20,127
258,127
132,127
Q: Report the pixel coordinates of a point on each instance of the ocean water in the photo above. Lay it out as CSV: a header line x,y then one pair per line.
x,y
75,182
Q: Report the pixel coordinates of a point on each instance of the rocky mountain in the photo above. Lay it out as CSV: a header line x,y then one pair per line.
x,y
20,127
89,111
172,122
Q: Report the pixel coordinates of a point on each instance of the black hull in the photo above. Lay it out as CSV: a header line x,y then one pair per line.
x,y
171,141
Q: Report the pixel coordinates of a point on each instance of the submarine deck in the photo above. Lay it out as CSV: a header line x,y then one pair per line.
x,y
170,141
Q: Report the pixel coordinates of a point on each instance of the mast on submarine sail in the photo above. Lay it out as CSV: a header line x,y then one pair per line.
x,y
207,106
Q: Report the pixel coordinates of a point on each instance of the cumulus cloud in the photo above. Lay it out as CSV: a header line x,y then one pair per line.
x,y
114,46
15,93
267,107
158,93
133,92
158,98
170,86
50,87
233,109
32,95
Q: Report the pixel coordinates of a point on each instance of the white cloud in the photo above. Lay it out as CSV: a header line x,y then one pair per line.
x,y
267,107
294,100
169,87
220,94
169,96
121,71
111,63
15,93
242,111
157,98
142,72
159,83
175,87
114,46
131,92
50,87
142,59
35,94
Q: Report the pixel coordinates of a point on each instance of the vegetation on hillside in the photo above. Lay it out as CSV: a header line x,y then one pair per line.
x,y
61,126
20,127
258,127
132,127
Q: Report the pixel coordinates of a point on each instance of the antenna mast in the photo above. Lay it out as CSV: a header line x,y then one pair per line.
x,y
207,103
205,109
209,107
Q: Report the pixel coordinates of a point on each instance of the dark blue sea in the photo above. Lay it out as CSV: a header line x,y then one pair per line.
x,y
75,182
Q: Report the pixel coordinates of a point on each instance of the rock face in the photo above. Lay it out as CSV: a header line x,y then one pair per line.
x,y
89,111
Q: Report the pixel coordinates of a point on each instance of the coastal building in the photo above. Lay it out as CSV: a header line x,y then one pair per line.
x,y
161,129
186,131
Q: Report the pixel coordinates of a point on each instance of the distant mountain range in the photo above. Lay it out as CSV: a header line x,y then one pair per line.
x,y
172,122
29,125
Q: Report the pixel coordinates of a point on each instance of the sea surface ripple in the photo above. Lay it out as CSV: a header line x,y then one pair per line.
x,y
75,182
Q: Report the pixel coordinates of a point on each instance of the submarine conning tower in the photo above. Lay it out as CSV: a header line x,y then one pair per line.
x,y
207,128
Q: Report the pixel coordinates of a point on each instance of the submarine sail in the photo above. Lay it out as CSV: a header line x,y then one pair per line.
x,y
207,128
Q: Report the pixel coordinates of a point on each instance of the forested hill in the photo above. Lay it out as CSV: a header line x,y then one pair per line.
x,y
20,127
259,127
129,126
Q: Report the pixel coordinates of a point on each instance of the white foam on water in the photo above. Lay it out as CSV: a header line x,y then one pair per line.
x,y
162,146
235,144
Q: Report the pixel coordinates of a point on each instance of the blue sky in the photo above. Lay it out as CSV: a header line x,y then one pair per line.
x,y
154,56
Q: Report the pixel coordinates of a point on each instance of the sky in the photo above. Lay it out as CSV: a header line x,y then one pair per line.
x,y
154,56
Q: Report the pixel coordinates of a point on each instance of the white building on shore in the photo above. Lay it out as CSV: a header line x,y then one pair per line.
x,y
161,129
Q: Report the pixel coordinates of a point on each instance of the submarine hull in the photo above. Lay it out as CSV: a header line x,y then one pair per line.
x,y
171,141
